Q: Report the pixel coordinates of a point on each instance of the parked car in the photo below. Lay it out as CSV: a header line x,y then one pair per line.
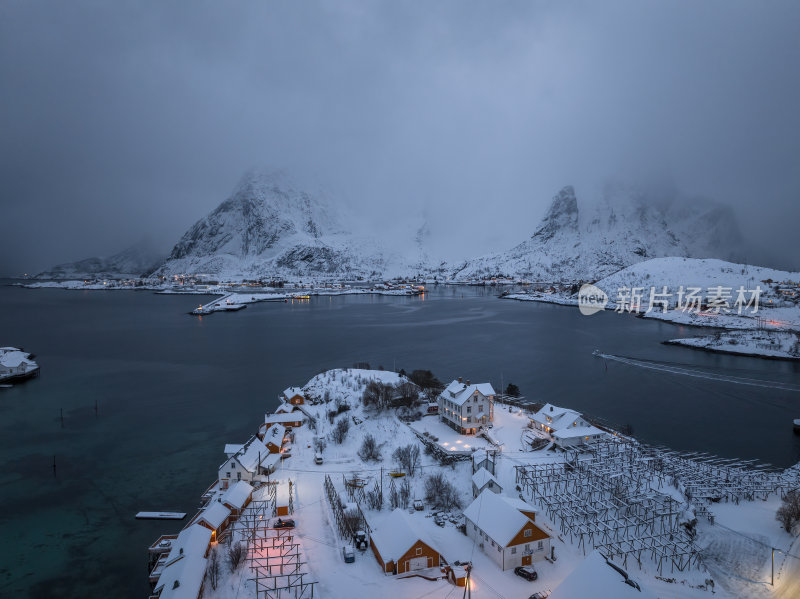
x,y
348,554
318,458
281,523
418,505
526,572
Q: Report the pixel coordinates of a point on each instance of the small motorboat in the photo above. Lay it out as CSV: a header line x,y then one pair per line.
x,y
797,426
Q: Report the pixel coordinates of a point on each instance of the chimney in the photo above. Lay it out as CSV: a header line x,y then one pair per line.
x,y
467,382
459,379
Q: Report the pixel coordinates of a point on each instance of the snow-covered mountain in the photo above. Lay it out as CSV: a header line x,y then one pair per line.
x,y
135,261
272,227
626,226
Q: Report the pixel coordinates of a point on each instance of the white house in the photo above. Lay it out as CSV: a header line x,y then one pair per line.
x,y
185,568
566,427
245,463
465,407
505,530
483,479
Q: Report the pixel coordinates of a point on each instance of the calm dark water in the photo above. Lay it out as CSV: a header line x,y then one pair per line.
x,y
172,389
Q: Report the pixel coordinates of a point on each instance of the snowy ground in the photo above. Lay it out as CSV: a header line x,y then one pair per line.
x,y
736,548
769,344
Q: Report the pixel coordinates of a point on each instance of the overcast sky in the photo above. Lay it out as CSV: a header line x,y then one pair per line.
x,y
124,118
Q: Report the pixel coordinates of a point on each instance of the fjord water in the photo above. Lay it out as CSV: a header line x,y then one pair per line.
x,y
172,389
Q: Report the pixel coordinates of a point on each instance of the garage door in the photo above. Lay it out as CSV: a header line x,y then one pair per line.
x,y
418,563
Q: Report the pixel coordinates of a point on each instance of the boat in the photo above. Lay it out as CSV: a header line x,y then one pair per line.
x,y
797,426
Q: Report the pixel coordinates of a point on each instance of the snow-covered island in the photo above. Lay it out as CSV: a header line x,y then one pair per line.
x,y
360,485
16,365
770,331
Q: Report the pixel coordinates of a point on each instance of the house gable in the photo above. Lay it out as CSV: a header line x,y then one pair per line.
x,y
536,534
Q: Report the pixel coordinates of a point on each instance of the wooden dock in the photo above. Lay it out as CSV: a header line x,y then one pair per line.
x,y
160,515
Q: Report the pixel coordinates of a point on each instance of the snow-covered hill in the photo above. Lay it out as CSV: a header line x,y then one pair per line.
x,y
625,227
138,260
688,272
271,226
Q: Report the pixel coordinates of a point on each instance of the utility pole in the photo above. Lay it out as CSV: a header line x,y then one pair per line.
x,y
773,566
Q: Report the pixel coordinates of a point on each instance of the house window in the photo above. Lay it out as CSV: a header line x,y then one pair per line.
x,y
227,475
528,533
527,547
492,543
469,409
238,476
540,545
419,550
513,550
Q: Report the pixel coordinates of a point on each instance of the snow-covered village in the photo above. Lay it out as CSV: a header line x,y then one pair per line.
x,y
365,483
399,300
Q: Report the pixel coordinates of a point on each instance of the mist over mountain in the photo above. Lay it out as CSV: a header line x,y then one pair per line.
x,y
138,260
627,225
274,226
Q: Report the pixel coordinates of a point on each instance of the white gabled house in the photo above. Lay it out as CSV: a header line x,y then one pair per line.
x,y
465,407
483,479
505,529
250,460
567,428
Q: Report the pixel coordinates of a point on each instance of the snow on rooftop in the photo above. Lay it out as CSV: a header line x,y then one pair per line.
x,y
290,392
284,417
595,578
483,476
185,564
559,417
252,453
275,434
496,517
232,448
214,514
577,431
460,392
396,533
237,495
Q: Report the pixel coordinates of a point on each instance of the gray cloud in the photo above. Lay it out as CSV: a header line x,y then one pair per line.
x,y
122,118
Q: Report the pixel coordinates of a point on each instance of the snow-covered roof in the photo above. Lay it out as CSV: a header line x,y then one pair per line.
x,y
185,564
285,407
577,431
275,434
13,359
559,417
284,417
250,454
595,578
290,392
458,393
518,504
483,476
395,535
270,460
237,495
232,448
214,514
496,517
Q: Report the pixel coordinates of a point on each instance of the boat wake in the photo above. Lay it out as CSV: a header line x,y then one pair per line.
x,y
678,369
